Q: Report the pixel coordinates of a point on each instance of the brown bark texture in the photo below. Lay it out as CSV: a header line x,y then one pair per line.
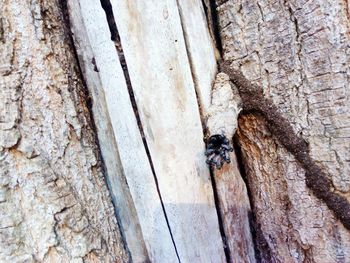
x,y
54,203
298,53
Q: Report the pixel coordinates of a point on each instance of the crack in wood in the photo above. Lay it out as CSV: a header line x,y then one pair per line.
x,y
220,219
106,5
204,128
215,25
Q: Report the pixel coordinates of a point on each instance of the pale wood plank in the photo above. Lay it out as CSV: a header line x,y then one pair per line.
x,y
231,190
200,48
115,120
155,52
235,211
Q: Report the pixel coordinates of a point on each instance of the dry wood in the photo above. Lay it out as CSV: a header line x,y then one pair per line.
x,y
128,158
219,109
155,52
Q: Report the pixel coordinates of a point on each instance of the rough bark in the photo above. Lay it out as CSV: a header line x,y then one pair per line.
x,y
298,52
54,204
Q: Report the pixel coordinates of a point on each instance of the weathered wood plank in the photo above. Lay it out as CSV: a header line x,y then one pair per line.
x,y
200,49
235,211
231,190
155,52
115,120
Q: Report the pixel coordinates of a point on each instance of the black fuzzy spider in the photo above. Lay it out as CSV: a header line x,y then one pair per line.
x,y
217,151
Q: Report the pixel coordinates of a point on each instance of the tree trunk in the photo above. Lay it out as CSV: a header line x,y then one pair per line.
x,y
54,204
105,107
298,52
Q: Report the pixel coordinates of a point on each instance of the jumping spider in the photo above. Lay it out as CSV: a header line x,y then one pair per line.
x,y
217,151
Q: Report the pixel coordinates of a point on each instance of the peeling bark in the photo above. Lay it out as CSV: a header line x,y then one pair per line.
x,y
54,203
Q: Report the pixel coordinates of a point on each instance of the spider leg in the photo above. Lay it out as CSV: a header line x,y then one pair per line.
x,y
211,145
227,147
231,148
210,158
209,151
227,157
226,141
218,162
222,153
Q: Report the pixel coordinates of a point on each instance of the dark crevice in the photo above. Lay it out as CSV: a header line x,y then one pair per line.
x,y
221,224
209,19
85,96
190,61
207,12
216,25
2,30
211,13
261,247
106,5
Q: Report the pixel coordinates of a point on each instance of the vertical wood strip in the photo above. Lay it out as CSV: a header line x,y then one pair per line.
x,y
232,197
200,49
115,120
155,52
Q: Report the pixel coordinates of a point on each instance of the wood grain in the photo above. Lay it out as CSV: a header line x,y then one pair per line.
x,y
111,94
155,52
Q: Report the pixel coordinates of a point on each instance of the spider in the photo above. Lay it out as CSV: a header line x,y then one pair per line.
x,y
217,151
